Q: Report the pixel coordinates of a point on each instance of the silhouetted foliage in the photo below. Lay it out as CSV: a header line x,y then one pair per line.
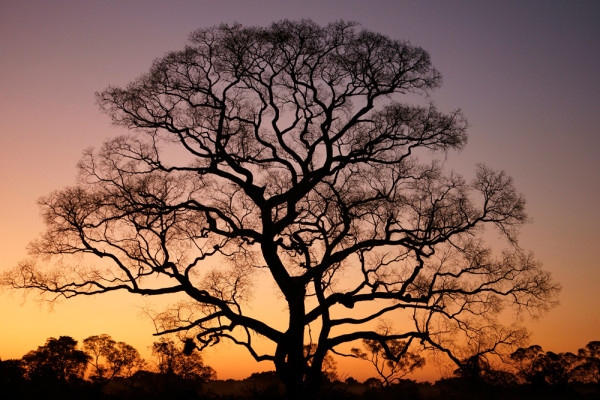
x,y
109,358
391,359
524,360
286,149
477,371
557,368
264,385
548,368
328,367
588,368
171,360
472,382
373,382
57,360
12,372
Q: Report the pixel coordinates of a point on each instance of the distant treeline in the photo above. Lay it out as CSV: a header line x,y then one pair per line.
x,y
103,368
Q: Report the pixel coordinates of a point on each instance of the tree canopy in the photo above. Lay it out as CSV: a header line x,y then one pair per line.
x,y
109,358
390,369
171,360
288,149
58,360
535,366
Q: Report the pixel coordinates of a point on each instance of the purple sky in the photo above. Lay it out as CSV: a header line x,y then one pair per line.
x,y
525,73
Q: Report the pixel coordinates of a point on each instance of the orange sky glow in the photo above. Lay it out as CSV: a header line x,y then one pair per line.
x,y
525,74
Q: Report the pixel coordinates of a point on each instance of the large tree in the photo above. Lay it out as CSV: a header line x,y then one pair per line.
x,y
58,360
287,149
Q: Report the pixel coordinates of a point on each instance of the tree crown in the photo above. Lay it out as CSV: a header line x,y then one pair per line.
x,y
286,148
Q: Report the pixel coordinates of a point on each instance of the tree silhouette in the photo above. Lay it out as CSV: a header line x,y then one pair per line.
x,y
391,359
478,371
286,149
545,368
173,361
588,368
524,360
109,358
12,373
328,367
58,360
483,354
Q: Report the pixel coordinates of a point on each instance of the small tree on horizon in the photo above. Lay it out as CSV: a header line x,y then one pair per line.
x,y
171,360
391,359
288,149
109,358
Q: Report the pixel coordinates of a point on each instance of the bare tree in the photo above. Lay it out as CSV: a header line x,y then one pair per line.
x,y
287,149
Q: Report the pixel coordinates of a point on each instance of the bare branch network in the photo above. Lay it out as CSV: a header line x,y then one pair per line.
x,y
286,149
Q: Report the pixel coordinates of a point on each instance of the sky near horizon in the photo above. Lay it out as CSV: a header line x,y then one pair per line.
x,y
525,74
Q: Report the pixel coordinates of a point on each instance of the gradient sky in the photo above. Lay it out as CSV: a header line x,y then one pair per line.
x,y
525,73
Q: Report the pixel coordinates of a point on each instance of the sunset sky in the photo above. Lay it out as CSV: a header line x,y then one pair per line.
x,y
525,73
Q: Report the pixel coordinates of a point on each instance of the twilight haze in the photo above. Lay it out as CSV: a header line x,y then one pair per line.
x,y
525,74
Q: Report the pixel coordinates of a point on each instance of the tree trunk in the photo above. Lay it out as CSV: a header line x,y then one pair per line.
x,y
313,382
291,362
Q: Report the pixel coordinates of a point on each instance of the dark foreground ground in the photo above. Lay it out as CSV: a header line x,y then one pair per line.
x,y
156,387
